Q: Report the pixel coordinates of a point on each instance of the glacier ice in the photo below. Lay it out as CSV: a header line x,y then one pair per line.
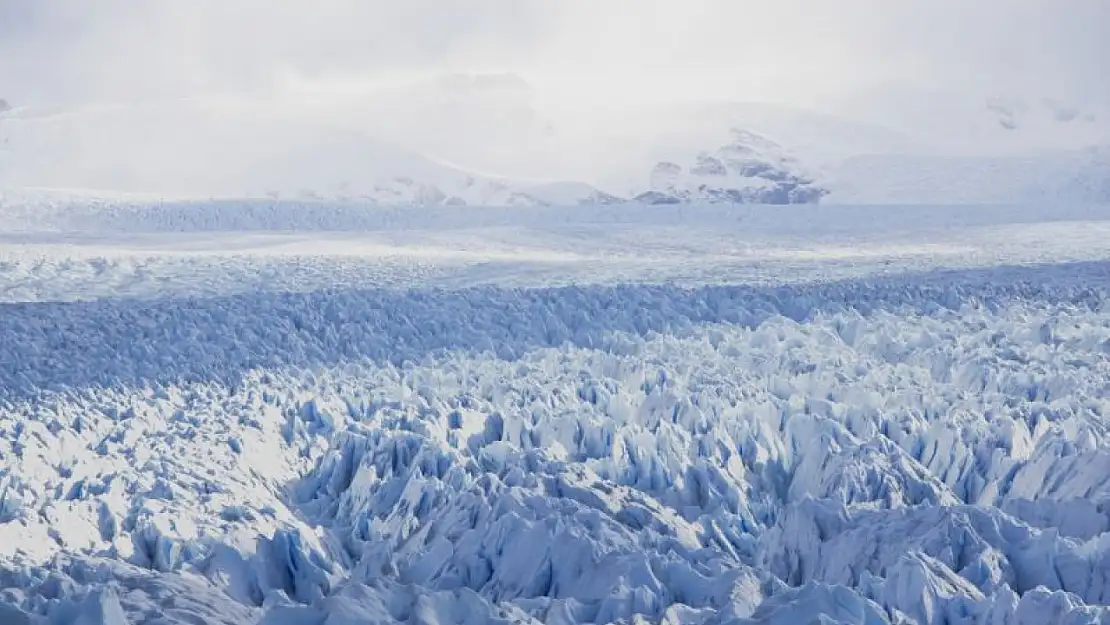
x,y
907,448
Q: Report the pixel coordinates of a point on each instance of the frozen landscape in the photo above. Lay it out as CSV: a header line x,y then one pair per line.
x,y
339,414
642,312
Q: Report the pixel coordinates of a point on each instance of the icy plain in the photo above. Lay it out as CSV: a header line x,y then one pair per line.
x,y
334,414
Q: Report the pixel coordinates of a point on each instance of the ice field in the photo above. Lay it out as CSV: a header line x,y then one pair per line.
x,y
337,414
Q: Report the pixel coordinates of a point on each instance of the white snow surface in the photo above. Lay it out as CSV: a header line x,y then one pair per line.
x,y
337,414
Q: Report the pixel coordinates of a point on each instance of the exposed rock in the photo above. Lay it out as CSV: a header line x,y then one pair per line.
x,y
708,166
655,197
602,198
665,176
749,169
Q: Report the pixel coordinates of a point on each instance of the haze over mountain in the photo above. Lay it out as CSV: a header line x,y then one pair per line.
x,y
252,98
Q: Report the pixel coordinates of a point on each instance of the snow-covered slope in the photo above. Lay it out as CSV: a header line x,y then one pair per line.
x,y
838,159
1071,176
624,414
962,123
223,149
490,139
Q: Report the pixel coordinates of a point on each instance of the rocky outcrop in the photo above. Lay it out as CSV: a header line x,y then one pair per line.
x,y
749,169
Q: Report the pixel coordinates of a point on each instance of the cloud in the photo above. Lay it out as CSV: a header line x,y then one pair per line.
x,y
60,50
799,45
90,50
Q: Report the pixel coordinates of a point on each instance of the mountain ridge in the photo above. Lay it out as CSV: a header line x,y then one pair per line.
x,y
709,151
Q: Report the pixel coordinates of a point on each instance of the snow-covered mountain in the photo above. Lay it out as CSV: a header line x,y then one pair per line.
x,y
186,149
749,169
846,161
1081,175
961,124
490,139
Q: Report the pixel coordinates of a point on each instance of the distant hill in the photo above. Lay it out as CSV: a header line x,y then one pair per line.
x,y
485,140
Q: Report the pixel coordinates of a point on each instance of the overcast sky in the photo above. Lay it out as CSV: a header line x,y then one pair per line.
x,y
67,50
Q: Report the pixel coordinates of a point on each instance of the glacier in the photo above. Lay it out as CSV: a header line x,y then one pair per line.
x,y
335,414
